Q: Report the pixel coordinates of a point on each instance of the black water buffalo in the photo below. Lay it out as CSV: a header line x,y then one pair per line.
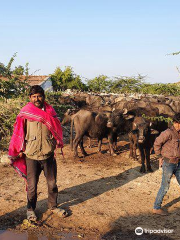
x,y
164,109
96,125
143,137
68,116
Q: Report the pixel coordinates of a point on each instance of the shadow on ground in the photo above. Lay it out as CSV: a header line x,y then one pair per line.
x,y
74,195
166,227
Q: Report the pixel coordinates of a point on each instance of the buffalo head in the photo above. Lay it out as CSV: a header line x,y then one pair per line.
x,y
67,116
143,129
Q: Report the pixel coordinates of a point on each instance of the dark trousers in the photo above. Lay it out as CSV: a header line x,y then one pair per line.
x,y
34,169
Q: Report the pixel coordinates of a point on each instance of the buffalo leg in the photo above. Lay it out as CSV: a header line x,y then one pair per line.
x,y
77,140
115,141
99,144
134,151
131,149
133,145
141,149
90,145
110,138
147,152
84,153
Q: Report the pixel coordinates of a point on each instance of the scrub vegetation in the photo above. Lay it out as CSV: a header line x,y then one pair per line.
x,y
13,90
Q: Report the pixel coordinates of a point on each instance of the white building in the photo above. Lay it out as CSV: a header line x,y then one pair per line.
x,y
44,81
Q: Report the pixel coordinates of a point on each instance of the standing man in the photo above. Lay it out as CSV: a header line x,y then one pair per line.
x,y
37,132
167,148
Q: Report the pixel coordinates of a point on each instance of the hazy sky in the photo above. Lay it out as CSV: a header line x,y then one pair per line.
x,y
110,37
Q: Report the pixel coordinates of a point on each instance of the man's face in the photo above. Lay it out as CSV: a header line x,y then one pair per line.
x,y
176,126
37,99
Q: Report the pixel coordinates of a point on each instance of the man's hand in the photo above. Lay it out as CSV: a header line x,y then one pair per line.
x,y
160,162
21,154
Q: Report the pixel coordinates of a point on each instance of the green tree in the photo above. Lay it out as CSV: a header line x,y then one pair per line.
x,y
11,83
161,88
127,84
56,78
63,80
68,77
2,69
77,84
99,84
18,70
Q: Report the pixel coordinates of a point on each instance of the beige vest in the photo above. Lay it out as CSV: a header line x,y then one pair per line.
x,y
40,143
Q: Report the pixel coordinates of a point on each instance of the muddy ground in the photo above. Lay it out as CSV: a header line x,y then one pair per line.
x,y
107,197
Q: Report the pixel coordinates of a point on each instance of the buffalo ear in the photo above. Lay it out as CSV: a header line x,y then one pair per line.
x,y
134,126
127,117
153,131
125,111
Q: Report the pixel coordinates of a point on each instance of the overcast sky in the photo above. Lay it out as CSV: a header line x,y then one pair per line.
x,y
114,37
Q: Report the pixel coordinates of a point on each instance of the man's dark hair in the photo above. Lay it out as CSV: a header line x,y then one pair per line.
x,y
176,118
36,89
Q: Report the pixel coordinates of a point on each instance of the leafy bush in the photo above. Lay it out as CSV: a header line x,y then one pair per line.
x,y
127,84
158,118
99,84
161,88
66,79
10,109
11,83
8,114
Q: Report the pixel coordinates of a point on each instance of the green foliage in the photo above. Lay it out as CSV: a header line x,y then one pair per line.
x,y
18,70
99,84
66,79
10,109
26,70
7,88
127,84
174,53
11,82
8,114
161,88
56,78
8,71
158,118
2,69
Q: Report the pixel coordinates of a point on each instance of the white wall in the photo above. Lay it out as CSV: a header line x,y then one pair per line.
x,y
47,85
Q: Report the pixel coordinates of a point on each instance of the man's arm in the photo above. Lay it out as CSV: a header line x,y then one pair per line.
x,y
159,142
21,154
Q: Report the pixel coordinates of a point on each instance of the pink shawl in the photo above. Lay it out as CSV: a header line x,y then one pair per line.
x,y
17,143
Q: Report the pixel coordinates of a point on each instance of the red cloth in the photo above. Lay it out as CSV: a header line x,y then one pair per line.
x,y
32,113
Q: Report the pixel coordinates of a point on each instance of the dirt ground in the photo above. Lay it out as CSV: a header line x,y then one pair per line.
x,y
107,197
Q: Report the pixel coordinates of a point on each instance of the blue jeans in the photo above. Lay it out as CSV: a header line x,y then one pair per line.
x,y
168,170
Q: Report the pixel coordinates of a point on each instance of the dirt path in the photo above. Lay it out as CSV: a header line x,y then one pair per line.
x,y
105,195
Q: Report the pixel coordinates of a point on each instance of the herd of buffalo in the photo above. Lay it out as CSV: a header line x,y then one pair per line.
x,y
142,117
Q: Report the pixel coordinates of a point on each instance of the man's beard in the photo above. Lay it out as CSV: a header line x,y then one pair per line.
x,y
39,104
